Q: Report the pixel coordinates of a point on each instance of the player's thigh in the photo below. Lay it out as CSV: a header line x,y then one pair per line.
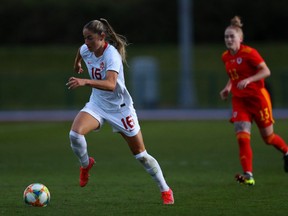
x,y
262,112
267,131
240,111
84,123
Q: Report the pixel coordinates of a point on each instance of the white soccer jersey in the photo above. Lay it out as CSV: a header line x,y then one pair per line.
x,y
97,68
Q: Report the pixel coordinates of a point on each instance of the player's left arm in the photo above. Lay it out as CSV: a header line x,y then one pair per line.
x,y
225,92
263,72
107,84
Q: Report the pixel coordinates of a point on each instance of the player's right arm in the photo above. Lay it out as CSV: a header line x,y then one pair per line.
x,y
77,63
263,72
225,92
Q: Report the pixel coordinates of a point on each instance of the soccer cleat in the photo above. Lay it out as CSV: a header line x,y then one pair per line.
x,y
245,179
167,197
285,163
84,172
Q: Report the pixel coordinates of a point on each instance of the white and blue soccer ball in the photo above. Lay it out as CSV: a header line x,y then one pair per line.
x,y
37,195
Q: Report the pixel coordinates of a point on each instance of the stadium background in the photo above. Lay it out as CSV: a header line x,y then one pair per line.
x,y
39,39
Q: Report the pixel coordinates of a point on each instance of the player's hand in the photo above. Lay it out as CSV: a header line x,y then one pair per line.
x,y
74,82
224,94
78,68
243,84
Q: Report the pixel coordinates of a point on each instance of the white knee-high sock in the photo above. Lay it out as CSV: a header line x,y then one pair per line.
x,y
152,167
79,147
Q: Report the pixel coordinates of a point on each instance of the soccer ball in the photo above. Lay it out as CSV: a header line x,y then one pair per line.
x,y
36,194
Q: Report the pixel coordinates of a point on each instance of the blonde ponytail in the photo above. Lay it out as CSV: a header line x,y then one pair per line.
x,y
117,40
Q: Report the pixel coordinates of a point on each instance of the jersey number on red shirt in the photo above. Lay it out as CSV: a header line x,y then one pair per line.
x,y
233,74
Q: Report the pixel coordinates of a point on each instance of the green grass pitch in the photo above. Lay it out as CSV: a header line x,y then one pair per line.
x,y
199,160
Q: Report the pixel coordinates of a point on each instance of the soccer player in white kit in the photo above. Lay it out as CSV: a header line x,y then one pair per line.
x,y
104,53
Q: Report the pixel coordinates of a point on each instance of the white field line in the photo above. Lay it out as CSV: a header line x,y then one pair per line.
x,y
157,114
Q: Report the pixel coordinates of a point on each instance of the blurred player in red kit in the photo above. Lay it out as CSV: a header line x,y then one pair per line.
x,y
250,99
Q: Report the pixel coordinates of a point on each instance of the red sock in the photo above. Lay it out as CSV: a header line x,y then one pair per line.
x,y
277,142
245,151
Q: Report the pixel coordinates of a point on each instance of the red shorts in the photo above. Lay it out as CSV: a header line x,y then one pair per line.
x,y
256,108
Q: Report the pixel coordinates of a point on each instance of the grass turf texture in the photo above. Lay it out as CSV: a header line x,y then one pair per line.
x,y
198,158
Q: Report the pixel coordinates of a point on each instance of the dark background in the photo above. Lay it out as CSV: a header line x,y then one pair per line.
x,y
39,39
141,21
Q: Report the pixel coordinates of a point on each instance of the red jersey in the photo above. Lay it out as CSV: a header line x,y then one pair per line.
x,y
241,66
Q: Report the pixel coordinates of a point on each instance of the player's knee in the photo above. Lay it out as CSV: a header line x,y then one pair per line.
x,y
78,143
72,135
74,138
149,163
145,160
268,139
242,126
